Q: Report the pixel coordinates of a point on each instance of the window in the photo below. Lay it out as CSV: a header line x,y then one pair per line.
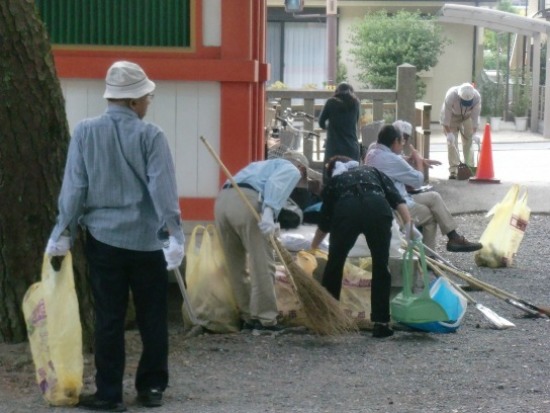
x,y
296,48
117,23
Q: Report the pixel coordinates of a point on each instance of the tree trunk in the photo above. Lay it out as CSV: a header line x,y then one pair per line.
x,y
34,139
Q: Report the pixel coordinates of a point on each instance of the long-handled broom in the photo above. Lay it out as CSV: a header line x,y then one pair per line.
x,y
323,313
498,322
527,307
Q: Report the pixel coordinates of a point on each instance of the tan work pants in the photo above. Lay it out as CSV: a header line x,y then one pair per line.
x,y
457,124
429,211
241,239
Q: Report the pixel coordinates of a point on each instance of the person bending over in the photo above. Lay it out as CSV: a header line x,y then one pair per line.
x,y
359,200
267,185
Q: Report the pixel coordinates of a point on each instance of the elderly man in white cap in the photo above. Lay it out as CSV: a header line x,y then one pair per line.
x,y
460,112
120,187
413,157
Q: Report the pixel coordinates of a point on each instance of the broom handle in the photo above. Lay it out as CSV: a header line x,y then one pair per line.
x,y
495,319
491,290
458,154
525,305
249,205
186,301
440,273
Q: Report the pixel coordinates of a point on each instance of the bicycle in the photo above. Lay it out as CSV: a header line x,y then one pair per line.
x,y
284,136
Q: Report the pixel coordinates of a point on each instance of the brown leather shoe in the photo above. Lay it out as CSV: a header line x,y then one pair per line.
x,y
461,244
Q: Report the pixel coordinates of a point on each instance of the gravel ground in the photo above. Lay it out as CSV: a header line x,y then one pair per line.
x,y
477,369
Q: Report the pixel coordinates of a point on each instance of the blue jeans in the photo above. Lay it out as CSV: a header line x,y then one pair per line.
x,y
113,273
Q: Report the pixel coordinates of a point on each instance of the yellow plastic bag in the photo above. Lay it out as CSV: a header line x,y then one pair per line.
x,y
208,286
51,314
288,303
355,294
356,288
505,231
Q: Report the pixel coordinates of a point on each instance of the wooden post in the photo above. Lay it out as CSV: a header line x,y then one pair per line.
x,y
406,92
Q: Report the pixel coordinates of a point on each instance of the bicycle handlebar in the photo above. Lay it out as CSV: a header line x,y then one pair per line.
x,y
289,113
294,129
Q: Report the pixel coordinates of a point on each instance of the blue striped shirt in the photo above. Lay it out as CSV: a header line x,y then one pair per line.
x,y
274,179
398,169
120,182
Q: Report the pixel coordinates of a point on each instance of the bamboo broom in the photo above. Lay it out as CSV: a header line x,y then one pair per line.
x,y
323,313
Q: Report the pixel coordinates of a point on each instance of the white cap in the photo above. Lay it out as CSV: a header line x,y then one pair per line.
x,y
404,126
127,80
466,91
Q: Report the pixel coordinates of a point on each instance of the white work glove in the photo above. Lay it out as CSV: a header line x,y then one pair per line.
x,y
60,247
173,253
415,235
267,224
451,138
476,139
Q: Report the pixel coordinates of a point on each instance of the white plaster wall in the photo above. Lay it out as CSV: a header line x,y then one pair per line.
x,y
184,110
212,22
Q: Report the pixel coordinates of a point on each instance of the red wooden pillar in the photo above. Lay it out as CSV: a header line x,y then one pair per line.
x,y
242,102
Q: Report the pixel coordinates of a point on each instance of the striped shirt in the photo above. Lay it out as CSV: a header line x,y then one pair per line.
x,y
120,182
398,169
274,179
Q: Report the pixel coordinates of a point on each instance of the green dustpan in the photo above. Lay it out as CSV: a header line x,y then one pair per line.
x,y
407,307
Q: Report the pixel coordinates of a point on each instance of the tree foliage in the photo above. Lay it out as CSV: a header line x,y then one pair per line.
x,y
381,42
495,43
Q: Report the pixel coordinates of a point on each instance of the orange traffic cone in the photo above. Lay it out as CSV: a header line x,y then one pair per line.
x,y
485,173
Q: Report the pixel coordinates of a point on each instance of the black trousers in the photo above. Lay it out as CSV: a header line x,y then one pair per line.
x,y
113,272
372,217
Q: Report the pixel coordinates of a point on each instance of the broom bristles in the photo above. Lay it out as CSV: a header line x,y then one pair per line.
x,y
323,313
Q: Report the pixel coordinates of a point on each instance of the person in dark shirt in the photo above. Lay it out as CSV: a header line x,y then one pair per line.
x,y
341,112
359,200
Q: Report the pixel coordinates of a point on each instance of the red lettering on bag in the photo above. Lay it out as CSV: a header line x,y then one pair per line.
x,y
362,283
518,223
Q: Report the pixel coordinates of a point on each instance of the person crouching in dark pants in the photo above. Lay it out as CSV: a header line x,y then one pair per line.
x,y
359,200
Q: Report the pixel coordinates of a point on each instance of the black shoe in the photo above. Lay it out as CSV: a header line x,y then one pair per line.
x,y
91,402
461,244
381,330
452,176
249,325
150,398
258,328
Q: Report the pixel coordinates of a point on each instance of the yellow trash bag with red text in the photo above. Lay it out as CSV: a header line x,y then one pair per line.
x,y
504,233
53,324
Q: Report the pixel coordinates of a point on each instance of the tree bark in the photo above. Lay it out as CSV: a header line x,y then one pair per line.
x,y
34,139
